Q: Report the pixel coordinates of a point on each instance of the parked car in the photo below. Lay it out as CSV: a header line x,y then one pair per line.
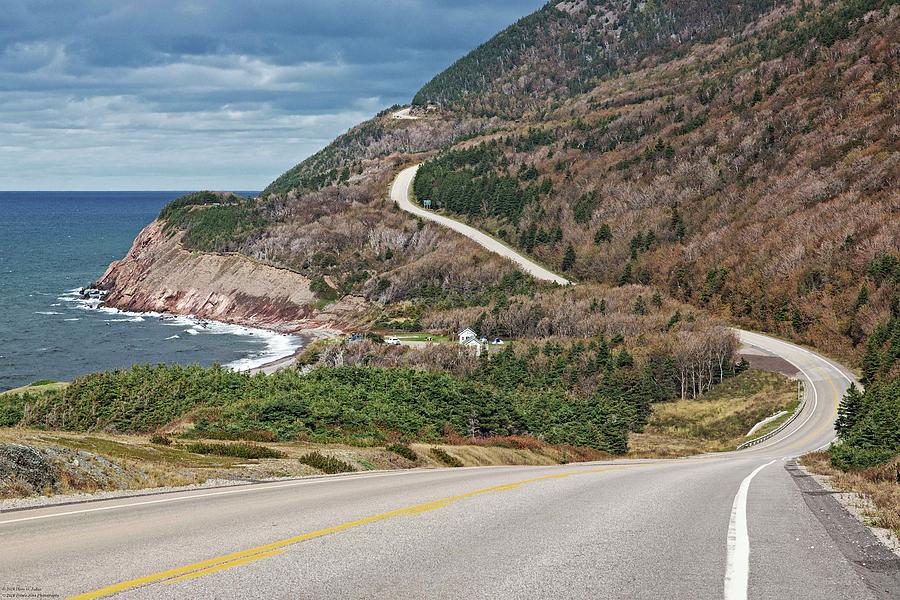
x,y
392,341
497,342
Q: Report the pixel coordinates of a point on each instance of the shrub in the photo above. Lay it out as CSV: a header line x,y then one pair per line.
x,y
237,450
160,439
404,451
12,409
250,435
326,464
441,455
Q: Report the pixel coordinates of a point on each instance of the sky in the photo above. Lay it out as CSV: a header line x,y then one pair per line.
x,y
165,95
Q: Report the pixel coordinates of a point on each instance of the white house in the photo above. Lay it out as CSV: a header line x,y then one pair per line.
x,y
474,344
467,335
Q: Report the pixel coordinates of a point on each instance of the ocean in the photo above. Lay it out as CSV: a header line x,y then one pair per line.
x,y
52,244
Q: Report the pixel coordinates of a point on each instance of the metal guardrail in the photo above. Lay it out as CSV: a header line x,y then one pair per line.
x,y
801,396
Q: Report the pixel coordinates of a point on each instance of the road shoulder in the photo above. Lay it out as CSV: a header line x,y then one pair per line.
x,y
876,565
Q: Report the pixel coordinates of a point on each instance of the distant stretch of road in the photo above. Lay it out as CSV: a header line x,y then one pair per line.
x,y
729,526
400,195
732,525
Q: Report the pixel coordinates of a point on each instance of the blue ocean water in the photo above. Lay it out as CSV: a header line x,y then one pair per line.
x,y
52,243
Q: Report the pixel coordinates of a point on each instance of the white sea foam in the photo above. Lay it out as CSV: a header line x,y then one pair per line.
x,y
277,345
47,312
73,319
173,337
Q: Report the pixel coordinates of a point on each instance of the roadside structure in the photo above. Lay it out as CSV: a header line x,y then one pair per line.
x,y
475,346
467,335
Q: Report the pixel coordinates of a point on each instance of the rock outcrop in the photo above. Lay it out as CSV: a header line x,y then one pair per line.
x,y
159,275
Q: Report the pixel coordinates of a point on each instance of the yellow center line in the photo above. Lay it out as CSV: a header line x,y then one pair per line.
x,y
234,559
819,430
222,566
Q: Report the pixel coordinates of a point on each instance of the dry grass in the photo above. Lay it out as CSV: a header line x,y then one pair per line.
x,y
880,485
139,463
38,388
717,421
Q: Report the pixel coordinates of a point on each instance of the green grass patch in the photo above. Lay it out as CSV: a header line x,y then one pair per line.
x,y
404,451
171,456
422,337
249,451
447,459
38,387
326,464
776,423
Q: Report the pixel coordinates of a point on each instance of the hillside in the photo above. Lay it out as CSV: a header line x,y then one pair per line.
x,y
755,175
564,48
742,158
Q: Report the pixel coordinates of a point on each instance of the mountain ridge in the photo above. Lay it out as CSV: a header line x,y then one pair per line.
x,y
702,172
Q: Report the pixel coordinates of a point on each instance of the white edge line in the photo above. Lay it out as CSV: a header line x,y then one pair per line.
x,y
274,486
815,393
236,490
737,569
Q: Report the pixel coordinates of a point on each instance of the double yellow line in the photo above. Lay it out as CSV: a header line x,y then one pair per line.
x,y
242,557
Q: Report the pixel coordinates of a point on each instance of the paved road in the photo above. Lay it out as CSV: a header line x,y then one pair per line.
x,y
400,195
690,528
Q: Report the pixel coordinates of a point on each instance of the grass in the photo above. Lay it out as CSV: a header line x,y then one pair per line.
x,y
240,450
718,420
444,457
404,451
326,464
172,457
879,484
776,423
421,337
141,463
44,385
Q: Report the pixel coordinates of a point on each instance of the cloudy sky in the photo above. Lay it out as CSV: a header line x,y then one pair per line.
x,y
199,94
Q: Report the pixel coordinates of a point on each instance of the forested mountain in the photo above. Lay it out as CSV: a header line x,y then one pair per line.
x,y
742,157
566,47
755,175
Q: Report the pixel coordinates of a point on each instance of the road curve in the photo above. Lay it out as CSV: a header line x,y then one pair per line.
x,y
730,525
400,195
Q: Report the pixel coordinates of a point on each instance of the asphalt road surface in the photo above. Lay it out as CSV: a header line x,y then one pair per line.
x,y
727,525
730,525
400,195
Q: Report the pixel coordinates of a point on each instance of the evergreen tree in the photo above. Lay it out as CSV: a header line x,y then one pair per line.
x,y
626,276
676,317
640,307
656,300
862,298
624,360
677,224
569,258
848,411
604,234
871,362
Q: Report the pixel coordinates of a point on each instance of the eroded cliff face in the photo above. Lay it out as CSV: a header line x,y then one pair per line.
x,y
159,275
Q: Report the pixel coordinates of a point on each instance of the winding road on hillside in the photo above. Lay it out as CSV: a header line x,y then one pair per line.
x,y
730,525
400,195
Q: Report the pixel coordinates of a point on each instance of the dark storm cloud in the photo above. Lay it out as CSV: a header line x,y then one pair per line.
x,y
191,94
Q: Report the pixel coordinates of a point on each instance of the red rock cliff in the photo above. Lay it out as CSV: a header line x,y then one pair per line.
x,y
159,275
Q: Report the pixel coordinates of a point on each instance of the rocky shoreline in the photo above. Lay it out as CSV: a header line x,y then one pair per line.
x,y
158,275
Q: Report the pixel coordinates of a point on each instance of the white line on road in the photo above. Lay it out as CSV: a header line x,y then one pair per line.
x,y
737,570
241,489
